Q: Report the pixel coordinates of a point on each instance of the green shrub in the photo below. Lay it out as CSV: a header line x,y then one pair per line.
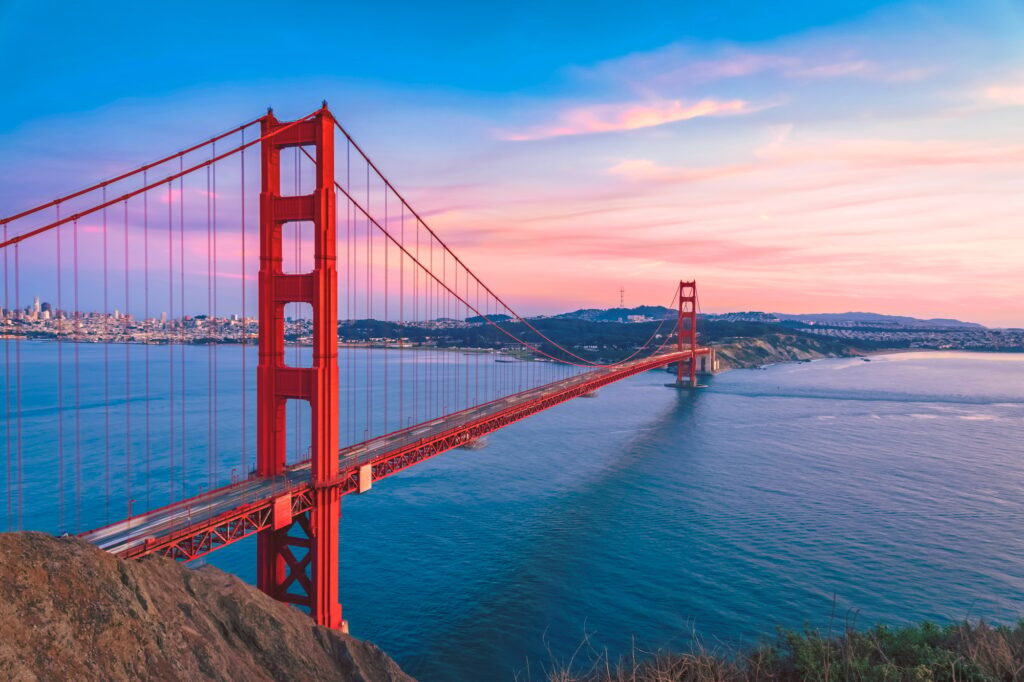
x,y
958,652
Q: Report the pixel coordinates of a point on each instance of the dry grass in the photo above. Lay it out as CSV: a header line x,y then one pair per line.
x,y
961,652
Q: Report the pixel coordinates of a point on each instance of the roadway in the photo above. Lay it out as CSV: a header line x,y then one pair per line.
x,y
124,536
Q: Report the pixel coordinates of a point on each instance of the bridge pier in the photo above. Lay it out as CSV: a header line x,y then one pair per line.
x,y
706,366
686,386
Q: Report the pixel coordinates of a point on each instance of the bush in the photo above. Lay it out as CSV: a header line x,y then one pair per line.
x,y
960,652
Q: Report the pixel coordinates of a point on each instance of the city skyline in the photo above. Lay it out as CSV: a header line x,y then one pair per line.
x,y
39,307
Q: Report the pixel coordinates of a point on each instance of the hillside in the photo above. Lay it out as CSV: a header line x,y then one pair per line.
x,y
769,349
878,319
71,611
843,319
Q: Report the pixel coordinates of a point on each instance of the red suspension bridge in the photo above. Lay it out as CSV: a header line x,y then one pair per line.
x,y
148,426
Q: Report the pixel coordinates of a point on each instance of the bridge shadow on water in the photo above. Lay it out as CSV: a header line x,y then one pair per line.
x,y
573,558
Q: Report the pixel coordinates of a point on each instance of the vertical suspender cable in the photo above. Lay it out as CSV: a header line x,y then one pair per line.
x,y
442,312
60,380
386,317
126,316
170,346
349,295
243,472
402,330
17,382
146,328
8,314
218,331
369,315
181,312
106,345
78,390
416,405
209,341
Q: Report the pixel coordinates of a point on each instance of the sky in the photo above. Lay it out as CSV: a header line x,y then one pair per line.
x,y
791,157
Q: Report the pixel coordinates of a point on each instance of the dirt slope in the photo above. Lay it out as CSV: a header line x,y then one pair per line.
x,y
753,352
69,611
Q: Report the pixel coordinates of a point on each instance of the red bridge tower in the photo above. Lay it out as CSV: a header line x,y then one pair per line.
x,y
297,559
687,326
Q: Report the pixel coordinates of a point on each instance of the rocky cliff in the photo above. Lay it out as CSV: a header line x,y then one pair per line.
x,y
774,348
69,611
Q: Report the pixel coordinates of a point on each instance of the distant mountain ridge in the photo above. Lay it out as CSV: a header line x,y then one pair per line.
x,y
646,312
878,319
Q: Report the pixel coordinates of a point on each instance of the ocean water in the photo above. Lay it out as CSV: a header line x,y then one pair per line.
x,y
820,494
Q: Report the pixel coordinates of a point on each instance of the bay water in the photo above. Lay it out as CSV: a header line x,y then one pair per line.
x,y
820,494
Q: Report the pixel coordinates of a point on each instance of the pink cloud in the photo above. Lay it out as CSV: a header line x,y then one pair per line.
x,y
1007,95
884,153
644,170
807,216
678,65
632,116
835,70
740,64
736,65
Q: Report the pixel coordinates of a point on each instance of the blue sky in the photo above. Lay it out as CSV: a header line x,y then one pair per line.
x,y
795,157
71,57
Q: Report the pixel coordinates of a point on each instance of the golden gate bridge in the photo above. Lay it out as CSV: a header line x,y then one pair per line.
x,y
335,241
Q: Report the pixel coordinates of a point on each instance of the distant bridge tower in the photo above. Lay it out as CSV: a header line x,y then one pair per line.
x,y
297,558
686,327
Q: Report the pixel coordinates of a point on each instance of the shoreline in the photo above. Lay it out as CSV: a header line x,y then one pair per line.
x,y
877,352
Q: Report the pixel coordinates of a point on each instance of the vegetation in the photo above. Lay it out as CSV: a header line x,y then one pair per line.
x,y
593,340
961,652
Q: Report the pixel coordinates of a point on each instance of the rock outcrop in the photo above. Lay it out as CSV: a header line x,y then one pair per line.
x,y
69,611
775,348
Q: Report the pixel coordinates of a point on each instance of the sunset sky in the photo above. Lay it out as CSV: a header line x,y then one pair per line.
x,y
792,157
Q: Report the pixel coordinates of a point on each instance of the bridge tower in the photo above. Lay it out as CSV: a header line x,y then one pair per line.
x,y
297,558
687,326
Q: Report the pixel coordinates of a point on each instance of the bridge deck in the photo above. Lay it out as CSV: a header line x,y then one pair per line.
x,y
194,527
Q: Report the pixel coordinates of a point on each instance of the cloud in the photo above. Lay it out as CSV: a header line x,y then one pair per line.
x,y
645,170
861,155
605,118
741,64
691,65
894,154
736,64
835,70
1007,95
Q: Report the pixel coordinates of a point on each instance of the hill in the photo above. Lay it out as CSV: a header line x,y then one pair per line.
x,y
70,611
876,319
845,319
768,349
652,312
